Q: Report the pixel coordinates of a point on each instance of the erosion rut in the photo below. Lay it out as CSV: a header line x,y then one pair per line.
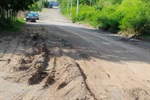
x,y
48,76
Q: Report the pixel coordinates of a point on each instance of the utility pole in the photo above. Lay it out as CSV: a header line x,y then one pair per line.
x,y
77,10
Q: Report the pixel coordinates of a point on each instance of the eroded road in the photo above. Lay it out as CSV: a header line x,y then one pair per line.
x,y
55,59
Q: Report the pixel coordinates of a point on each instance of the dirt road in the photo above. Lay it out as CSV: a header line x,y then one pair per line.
x,y
55,59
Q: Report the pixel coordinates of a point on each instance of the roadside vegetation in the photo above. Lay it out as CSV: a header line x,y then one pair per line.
x,y
9,21
9,25
128,17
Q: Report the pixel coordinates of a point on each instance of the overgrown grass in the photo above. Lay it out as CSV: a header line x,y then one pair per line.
x,y
12,26
17,25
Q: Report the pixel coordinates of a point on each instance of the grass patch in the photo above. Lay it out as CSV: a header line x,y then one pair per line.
x,y
13,26
17,25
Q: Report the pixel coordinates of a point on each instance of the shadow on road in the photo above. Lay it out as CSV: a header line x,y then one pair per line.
x,y
78,45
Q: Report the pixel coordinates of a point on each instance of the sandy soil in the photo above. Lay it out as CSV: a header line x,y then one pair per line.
x,y
55,59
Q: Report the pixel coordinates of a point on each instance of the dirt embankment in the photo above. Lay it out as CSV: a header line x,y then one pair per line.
x,y
46,70
46,66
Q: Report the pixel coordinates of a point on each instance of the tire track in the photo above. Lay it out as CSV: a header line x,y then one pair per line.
x,y
23,93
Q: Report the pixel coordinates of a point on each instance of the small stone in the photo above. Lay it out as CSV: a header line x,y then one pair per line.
x,y
11,71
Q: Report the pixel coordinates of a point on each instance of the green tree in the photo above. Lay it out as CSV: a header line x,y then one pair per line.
x,y
9,9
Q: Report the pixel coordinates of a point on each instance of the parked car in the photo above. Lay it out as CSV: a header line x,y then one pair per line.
x,y
31,17
36,15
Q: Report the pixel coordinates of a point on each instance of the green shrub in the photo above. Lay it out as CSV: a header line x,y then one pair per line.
x,y
134,16
146,28
129,16
109,18
86,14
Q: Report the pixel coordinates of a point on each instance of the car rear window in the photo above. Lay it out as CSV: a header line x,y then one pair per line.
x,y
31,14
